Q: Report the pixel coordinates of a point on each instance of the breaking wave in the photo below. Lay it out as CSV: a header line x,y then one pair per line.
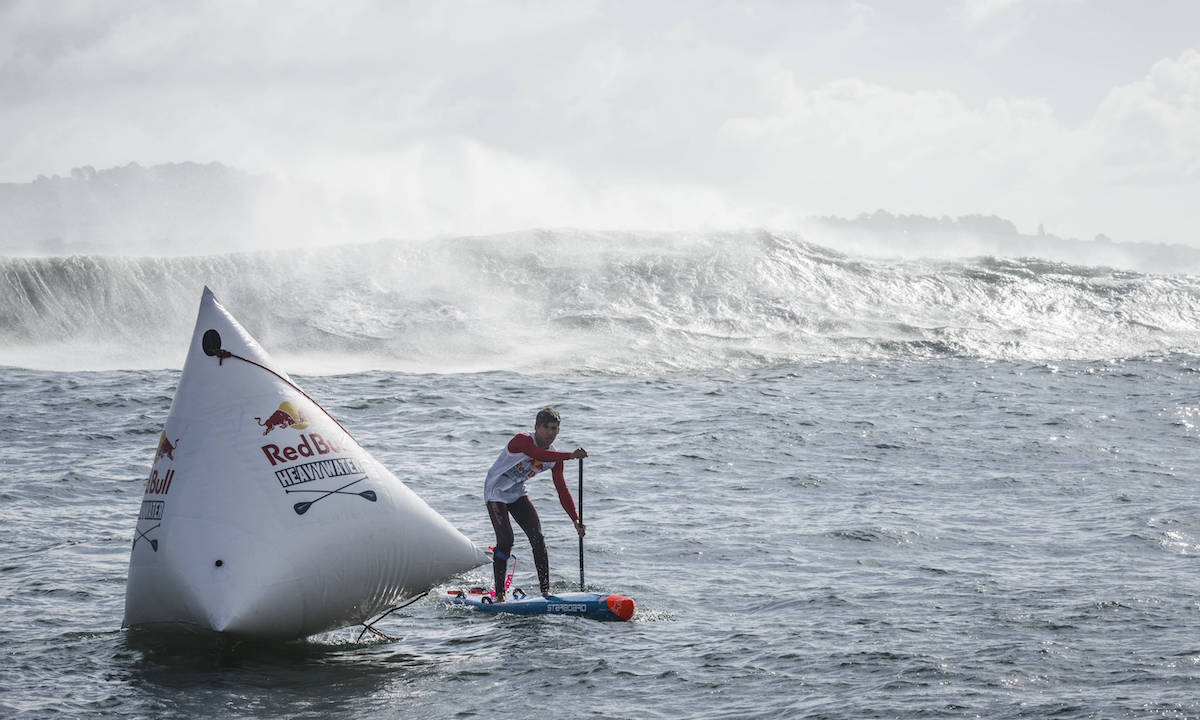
x,y
565,302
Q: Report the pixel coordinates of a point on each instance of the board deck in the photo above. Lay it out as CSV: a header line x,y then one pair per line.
x,y
597,606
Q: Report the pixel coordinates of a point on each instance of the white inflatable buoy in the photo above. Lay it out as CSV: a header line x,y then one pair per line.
x,y
263,517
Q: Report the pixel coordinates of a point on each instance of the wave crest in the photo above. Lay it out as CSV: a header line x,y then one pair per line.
x,y
562,301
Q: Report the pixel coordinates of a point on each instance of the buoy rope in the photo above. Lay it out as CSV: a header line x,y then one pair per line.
x,y
221,354
370,625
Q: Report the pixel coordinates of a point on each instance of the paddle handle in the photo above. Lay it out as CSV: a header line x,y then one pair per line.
x,y
581,522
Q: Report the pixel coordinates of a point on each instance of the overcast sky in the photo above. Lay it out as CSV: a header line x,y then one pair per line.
x,y
489,116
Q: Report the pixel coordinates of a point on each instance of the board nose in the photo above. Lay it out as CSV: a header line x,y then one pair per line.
x,y
621,606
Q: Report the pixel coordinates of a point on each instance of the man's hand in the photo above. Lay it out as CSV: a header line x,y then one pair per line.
x,y
580,528
578,454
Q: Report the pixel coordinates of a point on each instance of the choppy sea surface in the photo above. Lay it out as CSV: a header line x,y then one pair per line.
x,y
891,538
836,486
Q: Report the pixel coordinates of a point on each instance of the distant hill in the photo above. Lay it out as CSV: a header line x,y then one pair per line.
x,y
166,209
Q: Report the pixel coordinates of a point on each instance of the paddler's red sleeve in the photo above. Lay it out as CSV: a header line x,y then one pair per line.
x,y
564,495
523,443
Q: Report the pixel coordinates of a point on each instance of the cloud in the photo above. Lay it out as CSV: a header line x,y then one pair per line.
x,y
483,116
996,25
851,146
983,12
1149,131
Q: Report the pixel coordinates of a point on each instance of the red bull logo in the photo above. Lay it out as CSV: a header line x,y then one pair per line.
x,y
310,445
159,485
165,448
287,416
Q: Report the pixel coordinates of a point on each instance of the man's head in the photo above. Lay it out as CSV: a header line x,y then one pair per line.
x,y
545,427
546,416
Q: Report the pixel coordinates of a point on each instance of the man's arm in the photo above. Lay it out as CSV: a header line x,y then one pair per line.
x,y
524,444
564,494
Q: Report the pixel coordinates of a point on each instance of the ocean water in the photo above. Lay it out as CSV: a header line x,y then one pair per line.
x,y
837,487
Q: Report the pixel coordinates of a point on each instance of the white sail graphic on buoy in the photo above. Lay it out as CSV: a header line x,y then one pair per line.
x,y
263,517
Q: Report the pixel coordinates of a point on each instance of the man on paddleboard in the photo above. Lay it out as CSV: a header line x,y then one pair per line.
x,y
522,458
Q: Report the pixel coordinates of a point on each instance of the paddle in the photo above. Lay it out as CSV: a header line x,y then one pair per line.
x,y
153,542
367,494
581,522
302,507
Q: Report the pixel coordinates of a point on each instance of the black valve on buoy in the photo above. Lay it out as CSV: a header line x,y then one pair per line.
x,y
211,342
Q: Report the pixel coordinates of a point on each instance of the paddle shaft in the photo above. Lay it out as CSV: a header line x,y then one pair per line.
x,y
581,522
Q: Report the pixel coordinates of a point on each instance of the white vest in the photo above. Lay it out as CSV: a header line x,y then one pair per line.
x,y
506,479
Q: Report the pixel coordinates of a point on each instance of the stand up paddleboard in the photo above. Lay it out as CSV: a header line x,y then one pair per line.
x,y
596,606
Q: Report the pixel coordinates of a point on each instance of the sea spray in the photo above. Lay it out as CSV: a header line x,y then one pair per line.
x,y
570,301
